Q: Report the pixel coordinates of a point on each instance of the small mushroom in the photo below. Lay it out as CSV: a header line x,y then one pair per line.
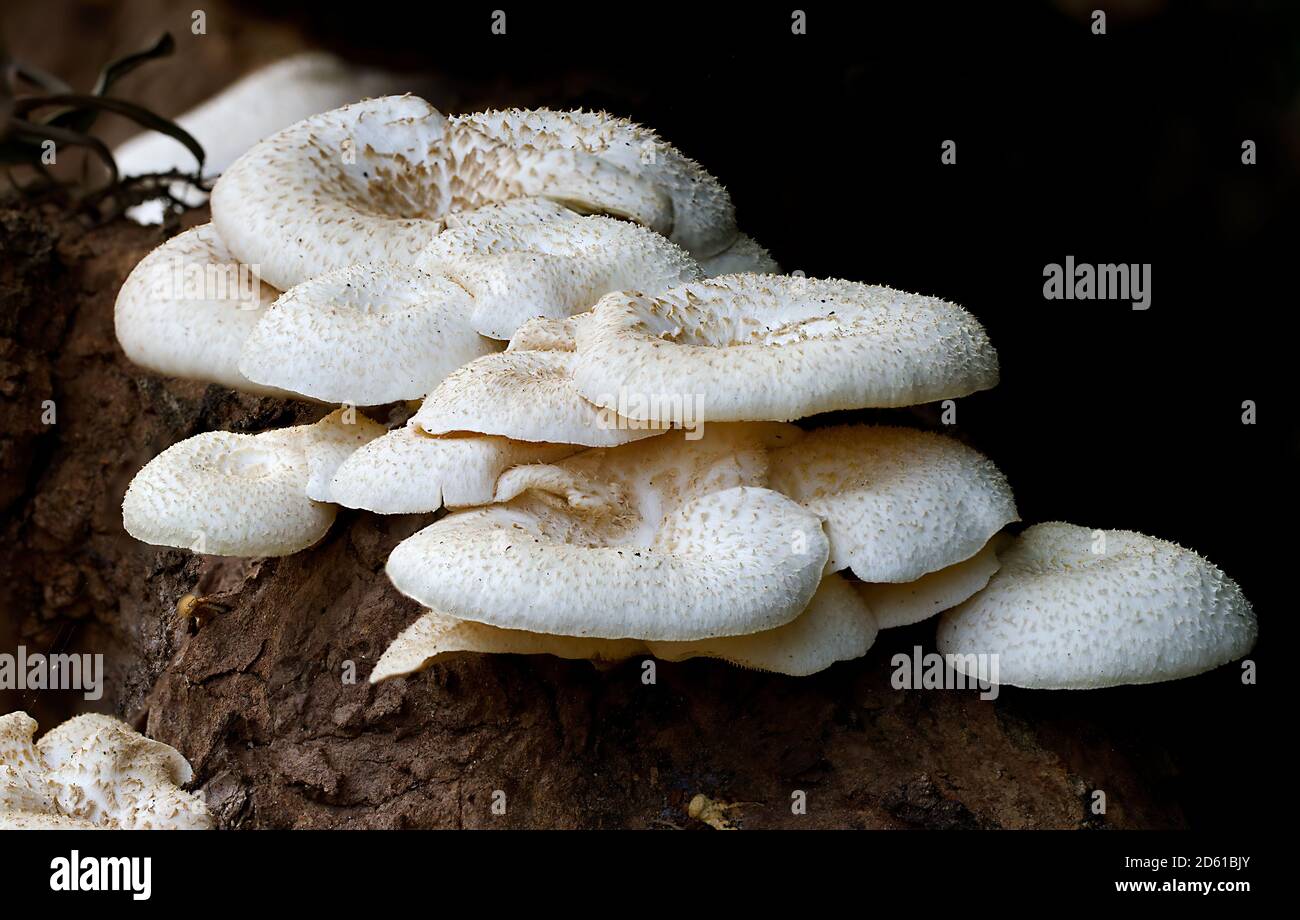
x,y
232,494
835,626
187,308
408,471
92,772
663,539
898,503
1073,608
776,347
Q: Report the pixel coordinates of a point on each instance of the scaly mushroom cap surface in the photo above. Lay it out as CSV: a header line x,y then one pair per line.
x,y
187,308
660,539
553,266
699,217
745,255
777,347
408,471
234,494
375,182
366,334
1072,608
835,626
93,772
898,503
914,601
526,396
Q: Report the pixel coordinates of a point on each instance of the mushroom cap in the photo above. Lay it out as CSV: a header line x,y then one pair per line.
x,y
368,182
835,626
914,601
407,471
187,307
660,539
1060,616
526,396
700,216
745,255
367,334
779,347
244,495
375,181
94,771
553,266
898,503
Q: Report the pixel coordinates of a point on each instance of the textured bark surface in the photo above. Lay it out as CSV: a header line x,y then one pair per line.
x,y
256,691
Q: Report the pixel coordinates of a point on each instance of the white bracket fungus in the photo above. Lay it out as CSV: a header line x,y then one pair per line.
x,y
931,594
297,207
778,347
244,495
1060,615
92,772
898,503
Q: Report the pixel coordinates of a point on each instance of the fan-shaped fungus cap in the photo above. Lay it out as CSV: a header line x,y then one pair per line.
x,y
93,772
187,308
375,181
234,494
914,601
835,626
660,539
897,503
700,216
408,471
366,334
779,347
516,269
1072,609
526,396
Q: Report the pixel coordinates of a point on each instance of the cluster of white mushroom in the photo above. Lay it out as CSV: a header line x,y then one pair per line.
x,y
624,474
92,773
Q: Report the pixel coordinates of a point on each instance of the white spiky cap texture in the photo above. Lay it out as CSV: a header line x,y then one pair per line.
x,y
898,503
526,396
777,347
187,308
407,471
660,539
1073,608
232,494
93,771
375,181
835,626
554,266
699,217
932,594
366,334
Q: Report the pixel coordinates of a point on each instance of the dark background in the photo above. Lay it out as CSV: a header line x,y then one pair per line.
x,y
1124,147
